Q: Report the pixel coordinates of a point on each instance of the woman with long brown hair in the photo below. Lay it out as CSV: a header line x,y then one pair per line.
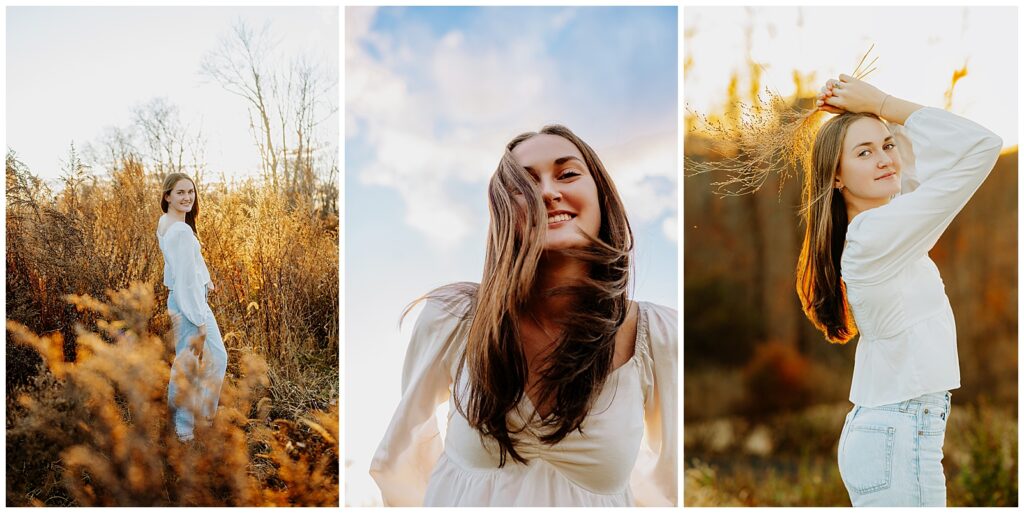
x,y
552,374
864,268
200,358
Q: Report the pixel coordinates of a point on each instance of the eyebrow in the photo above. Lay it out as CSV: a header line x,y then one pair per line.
x,y
558,162
869,143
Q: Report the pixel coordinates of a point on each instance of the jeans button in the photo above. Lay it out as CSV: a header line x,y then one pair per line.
x,y
926,411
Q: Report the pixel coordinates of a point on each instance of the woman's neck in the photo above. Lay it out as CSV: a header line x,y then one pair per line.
x,y
855,206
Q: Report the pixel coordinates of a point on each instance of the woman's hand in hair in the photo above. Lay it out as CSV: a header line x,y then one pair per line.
x,y
848,94
823,98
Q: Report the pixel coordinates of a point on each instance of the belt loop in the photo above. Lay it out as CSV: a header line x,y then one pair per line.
x,y
904,406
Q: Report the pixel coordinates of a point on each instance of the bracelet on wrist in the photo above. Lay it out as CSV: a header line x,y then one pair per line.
x,y
882,106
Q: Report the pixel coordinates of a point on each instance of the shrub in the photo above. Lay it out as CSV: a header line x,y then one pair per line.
x,y
97,430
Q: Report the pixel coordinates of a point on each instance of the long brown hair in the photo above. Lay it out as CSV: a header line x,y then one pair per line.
x,y
191,216
574,372
818,274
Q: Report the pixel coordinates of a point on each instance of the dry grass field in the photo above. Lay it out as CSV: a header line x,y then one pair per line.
x,y
89,346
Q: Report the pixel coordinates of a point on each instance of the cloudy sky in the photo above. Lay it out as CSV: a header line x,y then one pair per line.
x,y
72,71
432,96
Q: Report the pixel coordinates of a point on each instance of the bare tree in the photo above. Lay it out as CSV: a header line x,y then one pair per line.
x,y
157,137
163,134
238,65
113,146
288,100
305,93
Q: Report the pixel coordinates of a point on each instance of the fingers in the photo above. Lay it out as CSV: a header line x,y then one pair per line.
x,y
830,108
846,78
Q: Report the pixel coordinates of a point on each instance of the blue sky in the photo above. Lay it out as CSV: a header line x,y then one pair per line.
x,y
432,96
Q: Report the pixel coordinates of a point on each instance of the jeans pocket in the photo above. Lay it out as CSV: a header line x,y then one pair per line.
x,y
866,463
933,420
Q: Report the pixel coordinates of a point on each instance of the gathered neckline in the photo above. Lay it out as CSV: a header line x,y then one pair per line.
x,y
641,333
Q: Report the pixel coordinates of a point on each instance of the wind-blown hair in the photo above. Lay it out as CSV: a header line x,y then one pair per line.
x,y
191,216
818,274
493,366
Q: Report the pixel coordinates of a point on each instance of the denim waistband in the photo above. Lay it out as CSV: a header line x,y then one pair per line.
x,y
932,400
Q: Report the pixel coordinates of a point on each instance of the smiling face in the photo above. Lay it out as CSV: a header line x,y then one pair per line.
x,y
182,196
869,165
566,186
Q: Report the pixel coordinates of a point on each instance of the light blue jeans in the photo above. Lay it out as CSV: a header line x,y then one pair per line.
x,y
195,382
892,455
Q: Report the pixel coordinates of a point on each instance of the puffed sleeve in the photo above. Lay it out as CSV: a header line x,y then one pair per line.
x,y
953,156
412,444
189,286
654,479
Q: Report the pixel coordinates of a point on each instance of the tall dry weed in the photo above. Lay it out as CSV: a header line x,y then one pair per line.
x,y
769,136
97,430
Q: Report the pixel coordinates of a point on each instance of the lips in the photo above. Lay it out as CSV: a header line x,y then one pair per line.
x,y
887,175
560,216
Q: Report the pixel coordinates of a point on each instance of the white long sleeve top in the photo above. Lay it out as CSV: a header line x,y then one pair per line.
x,y
185,272
907,344
605,465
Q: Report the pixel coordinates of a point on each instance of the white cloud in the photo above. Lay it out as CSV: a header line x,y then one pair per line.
x,y
670,228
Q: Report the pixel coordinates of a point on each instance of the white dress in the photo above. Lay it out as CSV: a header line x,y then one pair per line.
x,y
606,465
907,345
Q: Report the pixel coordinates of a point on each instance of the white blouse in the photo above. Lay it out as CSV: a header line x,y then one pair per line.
x,y
606,465
185,272
907,344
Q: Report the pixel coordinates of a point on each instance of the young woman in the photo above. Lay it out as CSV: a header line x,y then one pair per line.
x,y
200,359
552,375
864,268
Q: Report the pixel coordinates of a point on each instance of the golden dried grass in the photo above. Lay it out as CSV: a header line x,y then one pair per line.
x,y
116,441
274,260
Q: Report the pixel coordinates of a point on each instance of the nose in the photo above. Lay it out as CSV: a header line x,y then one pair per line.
x,y
549,191
884,160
